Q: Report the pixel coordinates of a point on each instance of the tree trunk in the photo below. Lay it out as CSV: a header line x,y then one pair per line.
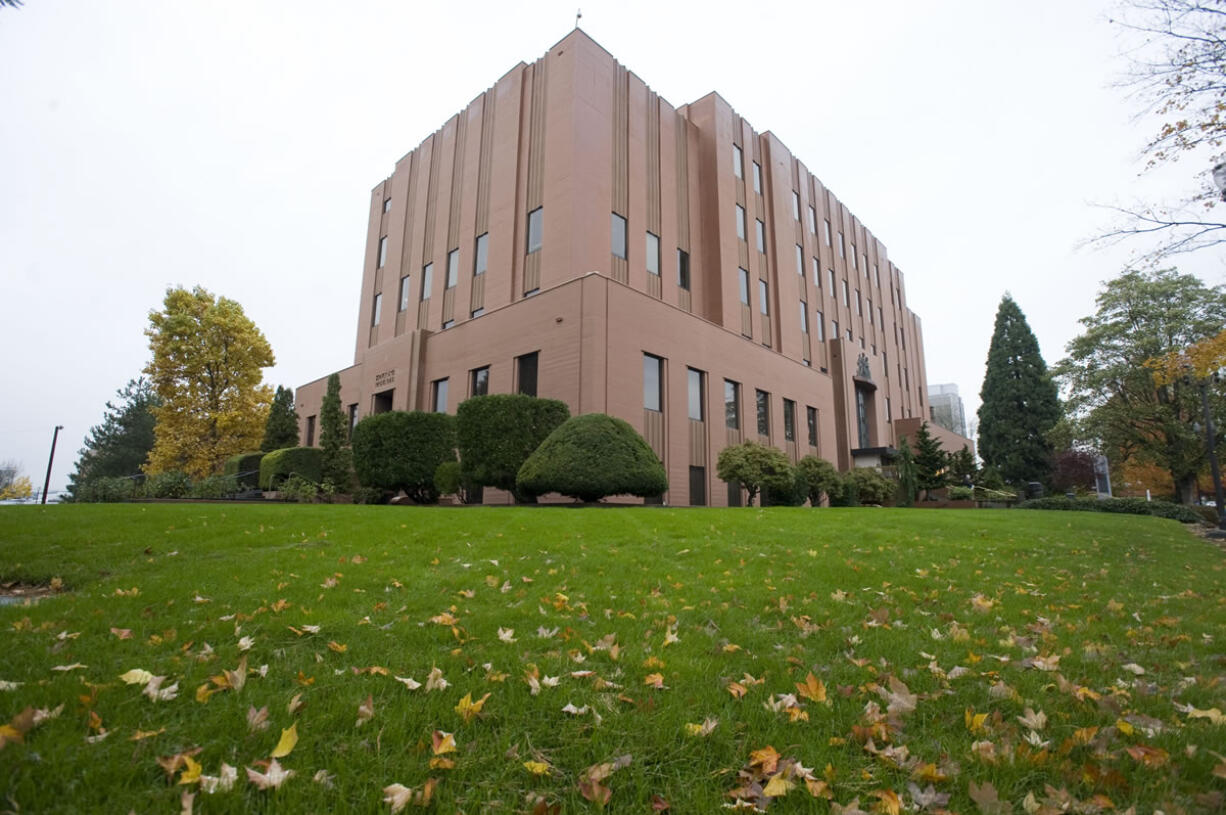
x,y
1185,488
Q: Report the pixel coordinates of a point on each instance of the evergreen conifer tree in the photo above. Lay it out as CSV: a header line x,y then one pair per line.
x,y
931,462
281,429
908,477
337,465
1018,403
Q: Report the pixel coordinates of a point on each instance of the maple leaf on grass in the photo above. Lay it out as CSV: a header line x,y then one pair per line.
x,y
812,689
435,680
468,709
537,767
273,779
366,710
257,720
287,742
442,742
704,729
222,782
987,799
155,691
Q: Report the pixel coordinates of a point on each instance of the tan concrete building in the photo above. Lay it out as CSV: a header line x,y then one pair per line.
x,y
571,234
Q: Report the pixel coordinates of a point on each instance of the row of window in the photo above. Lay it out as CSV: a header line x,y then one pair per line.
x,y
526,369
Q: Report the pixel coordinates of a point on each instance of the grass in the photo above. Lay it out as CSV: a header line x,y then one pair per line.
x,y
860,598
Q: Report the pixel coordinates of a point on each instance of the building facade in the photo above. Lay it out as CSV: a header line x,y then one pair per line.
x,y
570,234
946,408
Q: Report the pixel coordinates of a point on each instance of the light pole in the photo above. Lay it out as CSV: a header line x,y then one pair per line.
x,y
50,460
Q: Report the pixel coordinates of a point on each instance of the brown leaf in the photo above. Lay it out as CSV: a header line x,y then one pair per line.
x,y
986,798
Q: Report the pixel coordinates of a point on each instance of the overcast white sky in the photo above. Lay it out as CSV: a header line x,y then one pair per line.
x,y
146,143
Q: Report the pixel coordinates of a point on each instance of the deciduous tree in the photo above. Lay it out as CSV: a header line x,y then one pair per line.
x,y
120,445
1019,400
206,369
281,429
754,466
12,483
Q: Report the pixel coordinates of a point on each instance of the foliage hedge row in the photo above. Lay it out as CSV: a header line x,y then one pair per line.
x,y
163,485
1130,506
401,450
496,434
279,465
245,467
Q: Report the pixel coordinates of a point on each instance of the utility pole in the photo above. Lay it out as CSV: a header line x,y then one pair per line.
x,y
50,461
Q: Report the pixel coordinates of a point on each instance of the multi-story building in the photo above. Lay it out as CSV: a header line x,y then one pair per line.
x,y
571,234
946,409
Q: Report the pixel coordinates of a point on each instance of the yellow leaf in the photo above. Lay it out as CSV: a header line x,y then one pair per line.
x,y
813,689
442,742
203,693
655,680
438,763
136,676
468,708
888,802
289,738
333,645
1124,727
737,689
778,786
537,767
767,758
192,774
974,721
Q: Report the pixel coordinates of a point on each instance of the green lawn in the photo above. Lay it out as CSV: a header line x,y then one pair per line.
x,y
931,633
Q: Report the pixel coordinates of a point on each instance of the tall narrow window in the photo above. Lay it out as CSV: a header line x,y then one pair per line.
x,y
404,293
866,265
817,274
743,278
859,304
813,220
827,232
453,268
870,311
830,277
760,231
738,162
617,233
800,260
811,417
698,484
763,299
834,329
763,400
795,205
880,317
842,246
683,269
804,317
732,404
536,226
789,420
382,251
525,373
427,280
877,275
481,255
353,419
846,294
855,259
653,379
757,178
694,386
480,385
849,335
439,391
821,328
387,205
740,221
310,431
378,307
889,413
653,254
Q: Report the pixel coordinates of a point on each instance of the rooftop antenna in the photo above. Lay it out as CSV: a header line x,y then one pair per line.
x,y
578,16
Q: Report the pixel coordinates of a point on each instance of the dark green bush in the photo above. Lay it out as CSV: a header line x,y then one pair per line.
x,y
820,478
370,495
298,489
400,450
279,465
218,486
961,493
105,490
245,467
495,435
782,492
171,484
757,468
592,456
871,487
1129,506
447,478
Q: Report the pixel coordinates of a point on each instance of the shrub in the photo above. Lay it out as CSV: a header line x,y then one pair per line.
x,y
756,467
218,486
496,434
369,495
908,472
447,478
171,484
589,457
400,450
245,467
105,490
1130,506
298,489
279,465
871,486
961,493
781,493
820,477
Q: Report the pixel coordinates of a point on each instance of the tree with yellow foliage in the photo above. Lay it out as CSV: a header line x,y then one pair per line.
x,y
207,370
13,485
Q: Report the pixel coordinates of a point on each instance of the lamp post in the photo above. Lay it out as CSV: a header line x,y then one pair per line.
x,y
50,460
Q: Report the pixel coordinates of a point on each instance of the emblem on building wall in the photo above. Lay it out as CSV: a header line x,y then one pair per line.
x,y
862,369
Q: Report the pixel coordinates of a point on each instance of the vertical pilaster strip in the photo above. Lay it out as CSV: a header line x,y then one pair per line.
x,y
485,170
457,183
536,166
621,160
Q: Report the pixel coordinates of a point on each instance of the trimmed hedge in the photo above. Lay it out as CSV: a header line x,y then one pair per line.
x,y
401,450
248,463
495,435
592,456
170,484
1128,506
279,465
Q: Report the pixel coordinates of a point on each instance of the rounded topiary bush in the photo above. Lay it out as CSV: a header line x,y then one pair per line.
x,y
401,450
245,467
592,456
495,435
275,467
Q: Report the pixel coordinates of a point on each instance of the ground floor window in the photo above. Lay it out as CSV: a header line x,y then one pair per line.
x,y
698,486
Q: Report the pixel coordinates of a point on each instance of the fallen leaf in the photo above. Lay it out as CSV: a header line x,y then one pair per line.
x,y
285,745
442,743
986,798
537,767
467,708
122,633
655,680
366,711
435,680
397,795
408,682
222,782
704,729
257,720
812,689
136,676
273,779
192,772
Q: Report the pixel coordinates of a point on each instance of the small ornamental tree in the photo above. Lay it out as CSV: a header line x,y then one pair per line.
x,y
754,465
962,467
281,429
593,456
821,478
1072,470
401,450
908,475
871,487
496,434
930,461
337,462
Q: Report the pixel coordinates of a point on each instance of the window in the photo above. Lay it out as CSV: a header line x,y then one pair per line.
x,y
481,255
448,323
387,205
653,254
378,307
757,178
859,305
353,418
477,312
617,233
760,231
743,277
834,329
804,317
698,483
817,274
404,293
535,229
842,246
830,277
855,259
862,343
310,434
880,317
480,381
821,328
789,420
811,417
885,362
846,294
694,383
740,222
683,269
800,260
738,162
525,373
427,280
866,265
453,268
382,252
849,335
653,377
877,275
906,379
795,205
382,401
763,400
889,413
732,404
813,220
763,300
827,231
438,389
870,311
